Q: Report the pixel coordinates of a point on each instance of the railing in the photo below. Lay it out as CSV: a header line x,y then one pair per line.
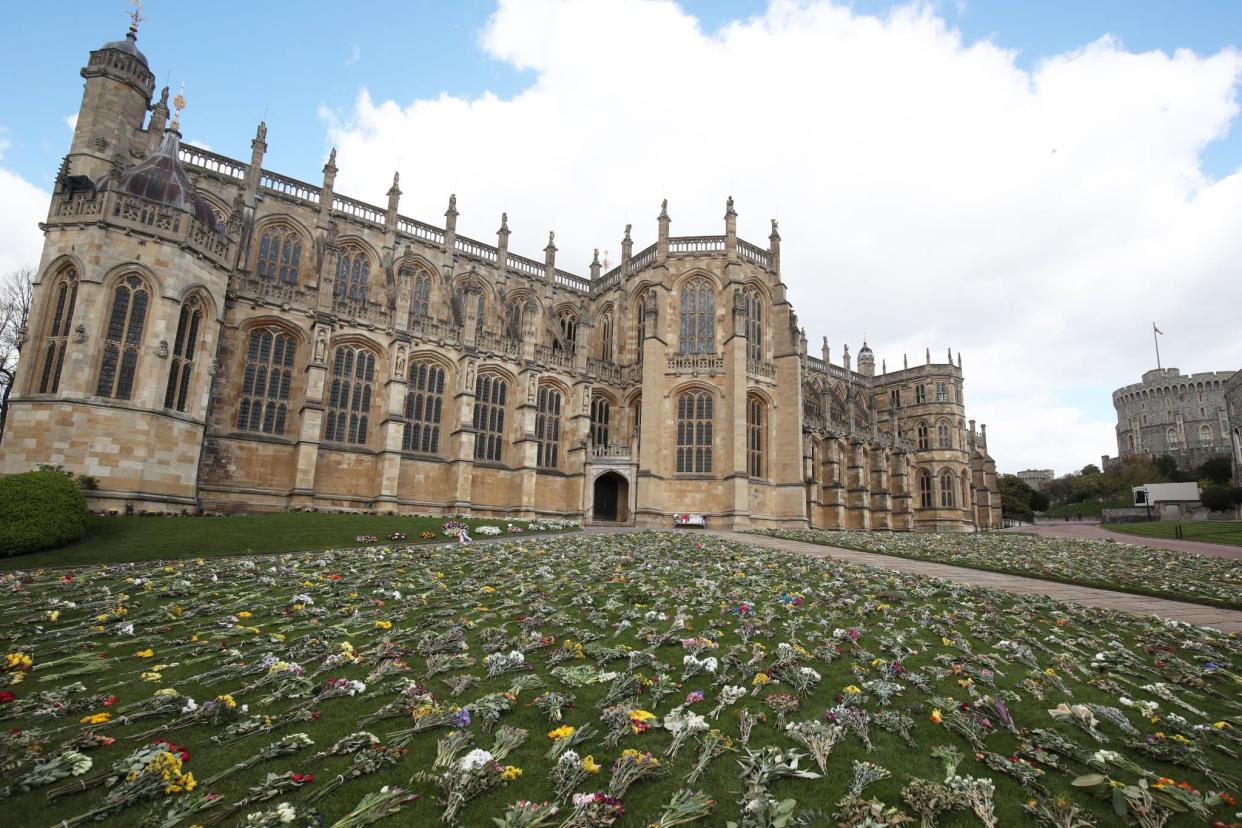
x,y
290,187
759,368
357,209
556,359
618,450
419,230
433,329
643,259
696,244
498,343
816,364
605,371
529,267
155,218
80,205
569,280
612,277
478,250
205,160
273,290
695,362
752,253
361,310
208,238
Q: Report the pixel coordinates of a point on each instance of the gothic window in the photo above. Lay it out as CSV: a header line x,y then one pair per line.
x,y
894,398
921,433
812,408
349,397
942,392
569,332
943,440
265,383
637,418
280,253
755,422
177,394
601,414
65,290
463,296
920,394
751,302
548,427
1205,433
948,488
420,305
640,326
515,315
1131,441
353,272
122,339
694,432
424,400
1172,435
605,337
490,394
925,489
698,317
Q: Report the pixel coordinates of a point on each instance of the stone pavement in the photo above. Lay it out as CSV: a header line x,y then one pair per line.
x,y
1221,619
1092,529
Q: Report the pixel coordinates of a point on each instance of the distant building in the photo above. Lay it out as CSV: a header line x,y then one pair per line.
x,y
1174,414
1170,501
1036,478
1233,406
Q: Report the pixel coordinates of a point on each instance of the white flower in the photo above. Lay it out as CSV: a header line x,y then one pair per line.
x,y
286,812
475,759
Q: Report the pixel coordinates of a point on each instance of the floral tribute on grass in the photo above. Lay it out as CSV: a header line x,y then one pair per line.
x,y
584,681
1098,563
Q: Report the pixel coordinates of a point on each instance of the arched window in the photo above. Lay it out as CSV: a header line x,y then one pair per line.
x,y
548,428
1172,435
601,414
569,332
698,317
943,440
640,326
490,395
515,317
122,339
280,254
605,337
424,400
178,390
948,488
264,401
1205,433
349,397
1130,439
753,305
894,398
965,491
755,422
921,433
65,291
925,489
463,296
420,304
694,432
353,272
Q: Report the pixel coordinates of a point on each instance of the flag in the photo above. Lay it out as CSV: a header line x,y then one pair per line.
x,y
1157,330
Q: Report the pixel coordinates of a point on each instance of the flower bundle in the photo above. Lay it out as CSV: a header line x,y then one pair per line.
x,y
554,704
367,761
712,744
285,746
683,724
630,767
819,738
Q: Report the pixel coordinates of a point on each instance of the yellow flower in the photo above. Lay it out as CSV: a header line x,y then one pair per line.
x,y
147,653
384,625
96,718
245,614
18,660
852,690
1050,672
1220,725
946,642
560,733
639,715
761,679
510,773
936,718
151,675
227,700
489,589
590,765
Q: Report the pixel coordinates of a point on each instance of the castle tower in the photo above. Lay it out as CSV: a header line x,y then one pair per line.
x,y
866,361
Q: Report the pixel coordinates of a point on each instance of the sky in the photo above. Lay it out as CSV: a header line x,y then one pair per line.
x,y
1030,184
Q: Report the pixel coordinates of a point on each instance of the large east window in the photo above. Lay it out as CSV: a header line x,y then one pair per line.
x,y
698,317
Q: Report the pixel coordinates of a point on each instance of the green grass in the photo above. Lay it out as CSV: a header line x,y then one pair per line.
x,y
141,538
1090,509
1228,534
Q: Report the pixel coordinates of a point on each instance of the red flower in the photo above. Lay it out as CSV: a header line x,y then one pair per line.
x,y
303,778
111,700
6,696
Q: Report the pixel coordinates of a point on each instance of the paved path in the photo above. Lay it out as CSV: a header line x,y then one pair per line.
x,y
1092,529
1221,619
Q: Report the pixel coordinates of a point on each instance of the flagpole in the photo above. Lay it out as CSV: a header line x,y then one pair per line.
x,y
1156,339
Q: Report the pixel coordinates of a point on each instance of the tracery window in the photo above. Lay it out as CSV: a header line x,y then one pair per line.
x,y
601,414
1205,432
349,397
463,296
490,395
925,489
353,272
942,393
812,407
753,306
184,345
920,394
424,401
264,401
605,337
420,305
698,317
921,434
943,440
694,432
1172,434
948,488
755,421
548,427
894,398
122,339
280,254
569,332
66,292
515,317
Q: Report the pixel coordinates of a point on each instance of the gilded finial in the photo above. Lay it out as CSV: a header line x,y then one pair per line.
x,y
178,105
135,17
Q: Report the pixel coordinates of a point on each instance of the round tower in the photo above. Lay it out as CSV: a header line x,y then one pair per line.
x,y
115,100
866,361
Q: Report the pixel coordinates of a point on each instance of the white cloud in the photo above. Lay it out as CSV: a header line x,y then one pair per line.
x,y
930,192
200,144
22,207
71,121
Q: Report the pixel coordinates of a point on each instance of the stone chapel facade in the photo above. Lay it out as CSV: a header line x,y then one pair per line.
x,y
209,334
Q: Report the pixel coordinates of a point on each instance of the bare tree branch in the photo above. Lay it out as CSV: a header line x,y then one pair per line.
x,y
16,294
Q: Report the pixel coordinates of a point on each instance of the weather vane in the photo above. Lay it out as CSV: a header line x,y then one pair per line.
x,y
135,17
178,104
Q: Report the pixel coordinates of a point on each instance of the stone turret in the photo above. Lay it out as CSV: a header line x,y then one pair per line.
x,y
866,361
115,99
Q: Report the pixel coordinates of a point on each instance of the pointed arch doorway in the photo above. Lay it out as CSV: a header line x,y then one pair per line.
x,y
611,498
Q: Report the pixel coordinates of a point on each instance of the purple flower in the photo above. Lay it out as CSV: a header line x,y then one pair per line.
x,y
461,719
694,696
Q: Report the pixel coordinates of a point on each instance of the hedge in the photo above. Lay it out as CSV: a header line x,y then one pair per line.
x,y
40,510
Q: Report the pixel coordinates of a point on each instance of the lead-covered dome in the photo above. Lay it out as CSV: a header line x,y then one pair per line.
x,y
129,46
162,179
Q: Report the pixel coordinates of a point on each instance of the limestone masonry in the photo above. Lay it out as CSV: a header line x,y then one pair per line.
x,y
209,334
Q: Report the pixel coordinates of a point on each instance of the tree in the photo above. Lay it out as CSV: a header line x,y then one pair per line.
x,y
16,292
1216,498
1167,467
1217,470
1090,468
1016,497
1039,501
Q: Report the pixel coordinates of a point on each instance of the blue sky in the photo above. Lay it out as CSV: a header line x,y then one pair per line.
x,y
316,53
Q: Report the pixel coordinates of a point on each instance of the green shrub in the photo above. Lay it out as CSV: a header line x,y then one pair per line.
x,y
39,510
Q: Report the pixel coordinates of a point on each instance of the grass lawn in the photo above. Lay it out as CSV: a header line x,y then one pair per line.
x,y
1092,508
391,658
143,538
1229,534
